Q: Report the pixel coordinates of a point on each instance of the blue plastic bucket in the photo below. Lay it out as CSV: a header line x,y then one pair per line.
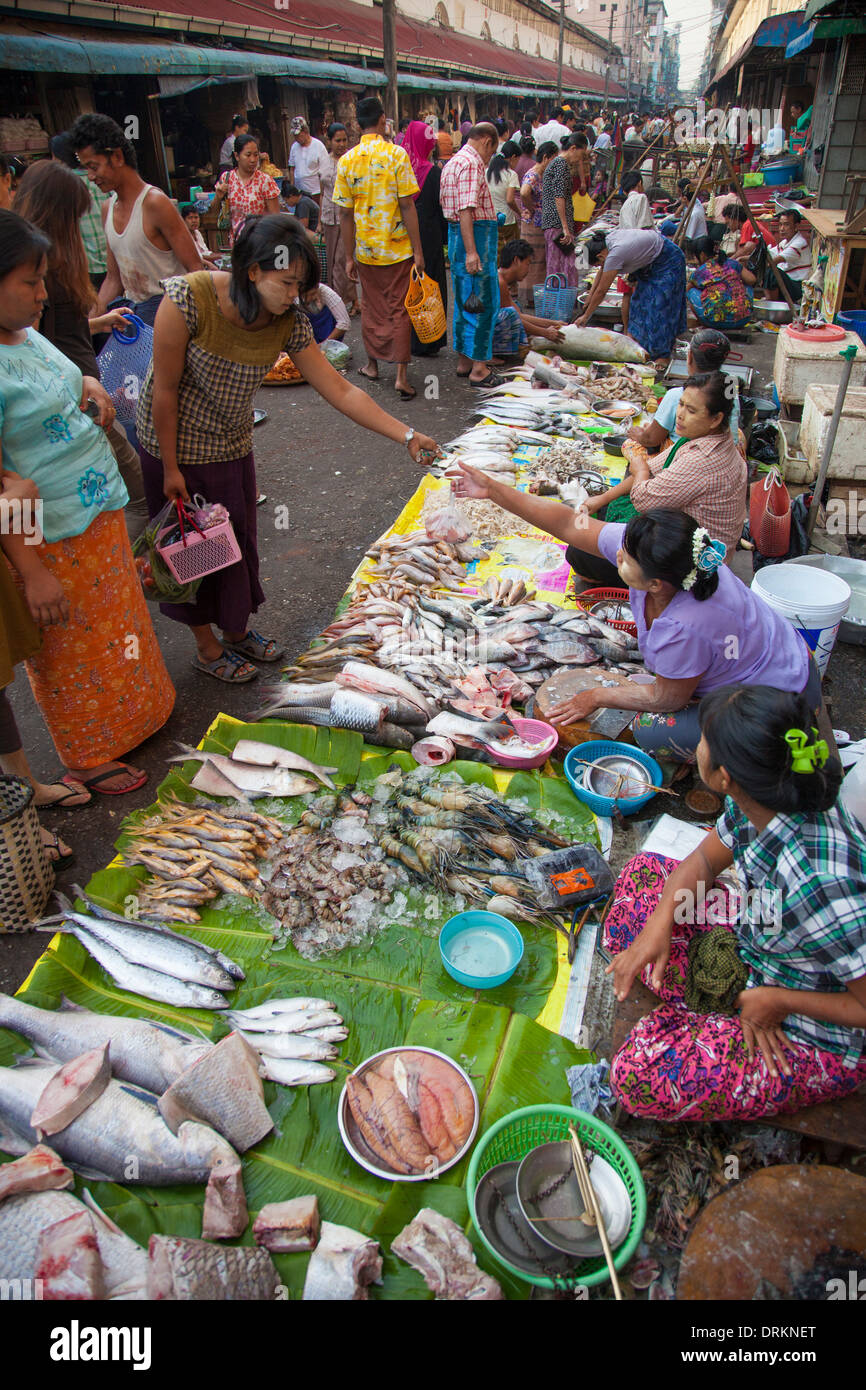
x,y
854,322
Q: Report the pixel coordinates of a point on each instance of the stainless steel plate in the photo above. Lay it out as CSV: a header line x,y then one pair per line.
x,y
550,1167
604,777
498,1214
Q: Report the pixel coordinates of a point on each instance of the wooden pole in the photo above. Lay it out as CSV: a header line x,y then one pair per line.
x,y
559,56
680,234
389,54
738,189
612,194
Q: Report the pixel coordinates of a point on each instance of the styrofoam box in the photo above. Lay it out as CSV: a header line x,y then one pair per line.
x,y
797,364
848,459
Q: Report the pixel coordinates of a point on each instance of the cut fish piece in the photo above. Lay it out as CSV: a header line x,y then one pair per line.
x,y
68,1259
286,1227
71,1089
342,1266
184,1269
441,1253
223,1089
40,1170
225,1214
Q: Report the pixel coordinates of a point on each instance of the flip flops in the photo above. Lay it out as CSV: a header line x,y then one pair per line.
x,y
94,783
51,844
66,802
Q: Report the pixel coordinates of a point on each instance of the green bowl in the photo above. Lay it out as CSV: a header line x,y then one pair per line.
x,y
514,1136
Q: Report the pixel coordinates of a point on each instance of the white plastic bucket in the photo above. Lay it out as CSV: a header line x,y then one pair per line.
x,y
815,601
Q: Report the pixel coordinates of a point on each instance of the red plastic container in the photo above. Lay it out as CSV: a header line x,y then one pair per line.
x,y
589,597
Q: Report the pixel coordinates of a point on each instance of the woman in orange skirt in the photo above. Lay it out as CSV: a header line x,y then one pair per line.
x,y
99,677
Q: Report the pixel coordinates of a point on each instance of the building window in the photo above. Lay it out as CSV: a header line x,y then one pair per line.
x,y
602,8
441,17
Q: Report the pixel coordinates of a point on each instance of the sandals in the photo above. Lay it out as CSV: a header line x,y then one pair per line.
x,y
406,395
94,783
228,667
72,789
492,379
366,375
52,844
256,646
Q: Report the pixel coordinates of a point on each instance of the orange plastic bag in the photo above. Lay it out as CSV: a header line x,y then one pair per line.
x,y
770,515
425,308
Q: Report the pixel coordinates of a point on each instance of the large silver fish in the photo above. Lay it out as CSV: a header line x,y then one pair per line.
x,y
141,979
230,966
150,1055
120,1138
255,781
470,732
248,750
352,709
150,948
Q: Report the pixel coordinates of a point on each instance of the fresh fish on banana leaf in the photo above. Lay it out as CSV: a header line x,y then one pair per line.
x,y
274,1008
288,1072
150,1055
140,979
294,1046
248,750
250,778
122,1123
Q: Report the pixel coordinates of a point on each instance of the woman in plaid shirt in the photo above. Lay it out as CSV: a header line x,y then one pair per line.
x,y
795,1034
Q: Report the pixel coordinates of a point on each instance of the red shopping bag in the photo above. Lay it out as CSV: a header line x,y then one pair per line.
x,y
770,515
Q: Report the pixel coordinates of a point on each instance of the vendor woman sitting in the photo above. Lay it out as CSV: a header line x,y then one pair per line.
x,y
698,626
703,473
764,987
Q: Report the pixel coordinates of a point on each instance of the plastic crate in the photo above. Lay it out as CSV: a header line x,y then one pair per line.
x,y
199,555
514,1136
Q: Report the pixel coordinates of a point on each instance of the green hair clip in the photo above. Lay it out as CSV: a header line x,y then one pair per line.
x,y
806,756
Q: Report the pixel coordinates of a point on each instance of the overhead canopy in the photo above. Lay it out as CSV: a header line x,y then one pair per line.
x,y
815,7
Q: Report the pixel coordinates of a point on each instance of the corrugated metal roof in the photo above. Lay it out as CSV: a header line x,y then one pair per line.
x,y
346,25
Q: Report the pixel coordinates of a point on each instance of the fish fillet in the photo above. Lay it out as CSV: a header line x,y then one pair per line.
x,y
342,1266
399,1122
71,1089
286,1227
441,1253
367,1119
40,1170
68,1260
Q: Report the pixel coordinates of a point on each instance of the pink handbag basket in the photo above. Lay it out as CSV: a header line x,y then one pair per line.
x,y
199,553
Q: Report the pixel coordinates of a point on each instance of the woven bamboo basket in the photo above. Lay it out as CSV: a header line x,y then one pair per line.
x,y
26,873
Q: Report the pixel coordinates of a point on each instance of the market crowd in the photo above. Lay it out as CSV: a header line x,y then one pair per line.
x,y
89,248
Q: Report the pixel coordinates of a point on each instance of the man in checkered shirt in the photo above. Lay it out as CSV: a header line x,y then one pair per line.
x,y
467,206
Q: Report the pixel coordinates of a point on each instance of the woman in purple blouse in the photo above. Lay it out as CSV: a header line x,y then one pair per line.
x,y
698,627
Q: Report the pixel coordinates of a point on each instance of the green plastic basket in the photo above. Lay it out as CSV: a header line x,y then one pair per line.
x,y
514,1136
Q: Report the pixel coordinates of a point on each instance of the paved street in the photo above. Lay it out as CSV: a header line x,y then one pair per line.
x,y
342,487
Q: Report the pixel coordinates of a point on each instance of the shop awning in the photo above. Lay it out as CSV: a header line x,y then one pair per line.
x,y
815,7
775,32
801,41
180,66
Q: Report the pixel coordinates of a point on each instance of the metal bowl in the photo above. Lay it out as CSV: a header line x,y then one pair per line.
x,y
606,777
616,410
623,613
354,1141
544,1169
498,1216
772,311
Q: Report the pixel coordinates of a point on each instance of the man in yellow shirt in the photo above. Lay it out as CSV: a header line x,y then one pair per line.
x,y
375,190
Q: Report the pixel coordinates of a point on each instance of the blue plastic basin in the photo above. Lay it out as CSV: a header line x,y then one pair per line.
x,y
480,949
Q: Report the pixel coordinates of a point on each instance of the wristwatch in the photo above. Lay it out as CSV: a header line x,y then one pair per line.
x,y
408,437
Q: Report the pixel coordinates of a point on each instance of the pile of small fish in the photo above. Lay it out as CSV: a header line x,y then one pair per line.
x,y
149,959
194,853
293,1037
414,1111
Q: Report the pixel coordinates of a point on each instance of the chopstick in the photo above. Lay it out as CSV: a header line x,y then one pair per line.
x,y
587,1192
637,781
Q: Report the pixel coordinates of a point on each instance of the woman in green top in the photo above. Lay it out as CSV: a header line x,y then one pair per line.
x,y
216,337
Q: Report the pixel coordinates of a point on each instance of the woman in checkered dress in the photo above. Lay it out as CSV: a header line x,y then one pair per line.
x,y
793,1035
215,339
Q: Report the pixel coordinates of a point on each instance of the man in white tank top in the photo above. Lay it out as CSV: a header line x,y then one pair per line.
x,y
148,240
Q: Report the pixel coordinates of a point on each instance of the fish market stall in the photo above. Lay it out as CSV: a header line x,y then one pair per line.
x,y
250,1030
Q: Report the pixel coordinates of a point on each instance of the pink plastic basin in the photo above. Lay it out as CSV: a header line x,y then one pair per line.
x,y
534,731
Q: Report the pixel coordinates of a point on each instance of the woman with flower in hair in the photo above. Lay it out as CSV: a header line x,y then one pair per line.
x,y
698,626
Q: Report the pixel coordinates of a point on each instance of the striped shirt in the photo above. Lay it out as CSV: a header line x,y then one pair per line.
x,y
464,187
707,479
224,367
807,928
92,230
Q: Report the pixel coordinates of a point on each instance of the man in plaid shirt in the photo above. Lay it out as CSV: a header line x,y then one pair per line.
x,y
92,230
472,247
